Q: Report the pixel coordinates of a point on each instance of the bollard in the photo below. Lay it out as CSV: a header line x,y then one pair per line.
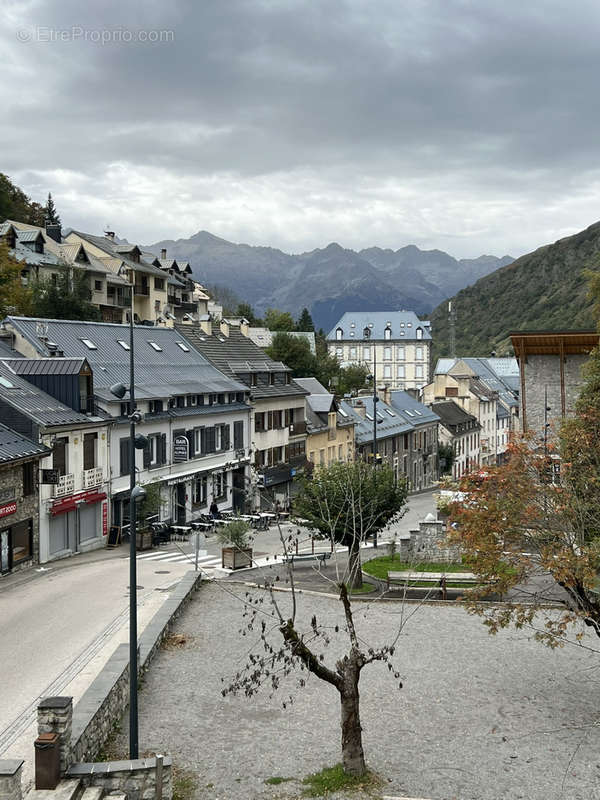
x,y
159,777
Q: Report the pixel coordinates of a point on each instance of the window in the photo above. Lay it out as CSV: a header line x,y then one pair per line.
x,y
339,351
387,371
419,354
340,452
155,346
219,485
21,536
400,371
159,284
367,353
322,457
59,455
6,383
155,406
183,347
238,435
353,353
419,371
124,345
387,353
339,333
28,479
400,353
200,491
124,456
89,450
387,333
98,286
191,399
155,455
89,344
419,333
253,379
271,379
259,421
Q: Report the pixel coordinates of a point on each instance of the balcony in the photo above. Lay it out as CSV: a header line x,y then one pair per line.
x,y
297,428
180,305
121,300
141,288
65,485
92,477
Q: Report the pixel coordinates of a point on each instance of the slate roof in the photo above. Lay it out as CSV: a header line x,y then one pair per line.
x,y
158,374
235,354
505,386
120,251
411,409
46,366
40,407
403,324
451,415
14,447
389,422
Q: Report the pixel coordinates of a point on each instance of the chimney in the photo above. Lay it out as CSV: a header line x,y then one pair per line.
x,y
244,327
110,235
206,325
163,254
360,408
53,231
224,328
384,393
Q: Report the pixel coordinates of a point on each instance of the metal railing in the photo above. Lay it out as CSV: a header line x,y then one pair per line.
x,y
65,485
92,477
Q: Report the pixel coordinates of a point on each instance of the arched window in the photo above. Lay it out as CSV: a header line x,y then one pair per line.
x,y
387,333
419,333
339,333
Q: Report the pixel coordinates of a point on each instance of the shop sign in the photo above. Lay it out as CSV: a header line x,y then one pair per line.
x,y
104,518
7,509
50,476
66,504
181,448
271,477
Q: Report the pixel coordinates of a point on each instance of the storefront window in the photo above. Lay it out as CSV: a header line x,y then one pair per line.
x,y
21,542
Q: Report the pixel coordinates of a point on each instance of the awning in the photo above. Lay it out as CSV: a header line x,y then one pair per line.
x,y
66,504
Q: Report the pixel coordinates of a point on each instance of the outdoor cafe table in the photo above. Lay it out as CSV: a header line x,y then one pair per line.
x,y
181,530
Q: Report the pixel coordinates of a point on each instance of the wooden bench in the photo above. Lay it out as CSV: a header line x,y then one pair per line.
x,y
322,557
439,580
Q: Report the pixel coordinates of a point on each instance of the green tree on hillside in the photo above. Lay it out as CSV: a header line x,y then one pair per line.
x,y
14,204
15,298
276,320
66,298
295,353
51,212
305,322
245,310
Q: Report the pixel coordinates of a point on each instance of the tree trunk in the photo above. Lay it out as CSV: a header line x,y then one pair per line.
x,y
353,757
354,565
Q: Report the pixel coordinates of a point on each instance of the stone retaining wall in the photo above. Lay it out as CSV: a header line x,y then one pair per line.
x,y
137,779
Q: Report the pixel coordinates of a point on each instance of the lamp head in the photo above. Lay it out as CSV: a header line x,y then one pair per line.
x,y
140,442
138,494
119,390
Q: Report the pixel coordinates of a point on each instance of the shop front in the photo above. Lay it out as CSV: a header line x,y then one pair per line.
x,y
77,523
16,541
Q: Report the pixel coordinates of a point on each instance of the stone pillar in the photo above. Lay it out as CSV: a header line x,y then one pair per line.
x,y
55,715
10,779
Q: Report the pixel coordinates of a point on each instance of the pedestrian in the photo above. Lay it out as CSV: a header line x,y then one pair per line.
x,y
214,510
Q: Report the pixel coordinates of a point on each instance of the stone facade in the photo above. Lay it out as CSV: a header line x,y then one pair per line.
x,y
55,715
10,779
11,489
542,378
429,543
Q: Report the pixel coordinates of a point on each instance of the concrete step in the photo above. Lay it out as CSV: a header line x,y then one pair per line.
x,y
67,789
92,793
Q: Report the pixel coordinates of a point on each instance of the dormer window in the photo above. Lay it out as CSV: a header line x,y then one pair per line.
x,y
387,333
419,332
339,333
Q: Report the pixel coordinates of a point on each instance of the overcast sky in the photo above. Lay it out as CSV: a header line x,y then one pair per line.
x,y
472,127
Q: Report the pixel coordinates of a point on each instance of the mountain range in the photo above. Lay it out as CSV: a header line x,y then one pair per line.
x,y
331,280
543,290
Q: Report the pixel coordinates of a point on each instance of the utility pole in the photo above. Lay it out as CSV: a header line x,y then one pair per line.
x,y
452,329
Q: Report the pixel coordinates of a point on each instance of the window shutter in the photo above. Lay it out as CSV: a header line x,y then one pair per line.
x,y
287,418
190,437
162,443
225,437
238,435
270,420
202,441
124,456
210,440
287,453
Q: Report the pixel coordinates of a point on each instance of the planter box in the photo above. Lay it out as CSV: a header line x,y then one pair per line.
x,y
232,558
143,540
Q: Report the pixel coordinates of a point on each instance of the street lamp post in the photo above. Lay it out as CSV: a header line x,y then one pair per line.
x,y
367,337
136,494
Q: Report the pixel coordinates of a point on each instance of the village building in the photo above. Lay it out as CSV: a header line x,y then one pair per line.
x,y
395,346
330,431
459,430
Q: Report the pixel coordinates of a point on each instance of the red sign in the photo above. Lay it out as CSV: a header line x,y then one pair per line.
x,y
66,504
9,508
104,519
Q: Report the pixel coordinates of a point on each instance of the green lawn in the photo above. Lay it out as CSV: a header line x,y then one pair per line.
x,y
379,567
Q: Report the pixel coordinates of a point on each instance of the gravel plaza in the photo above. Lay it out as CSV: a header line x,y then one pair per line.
x,y
479,717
